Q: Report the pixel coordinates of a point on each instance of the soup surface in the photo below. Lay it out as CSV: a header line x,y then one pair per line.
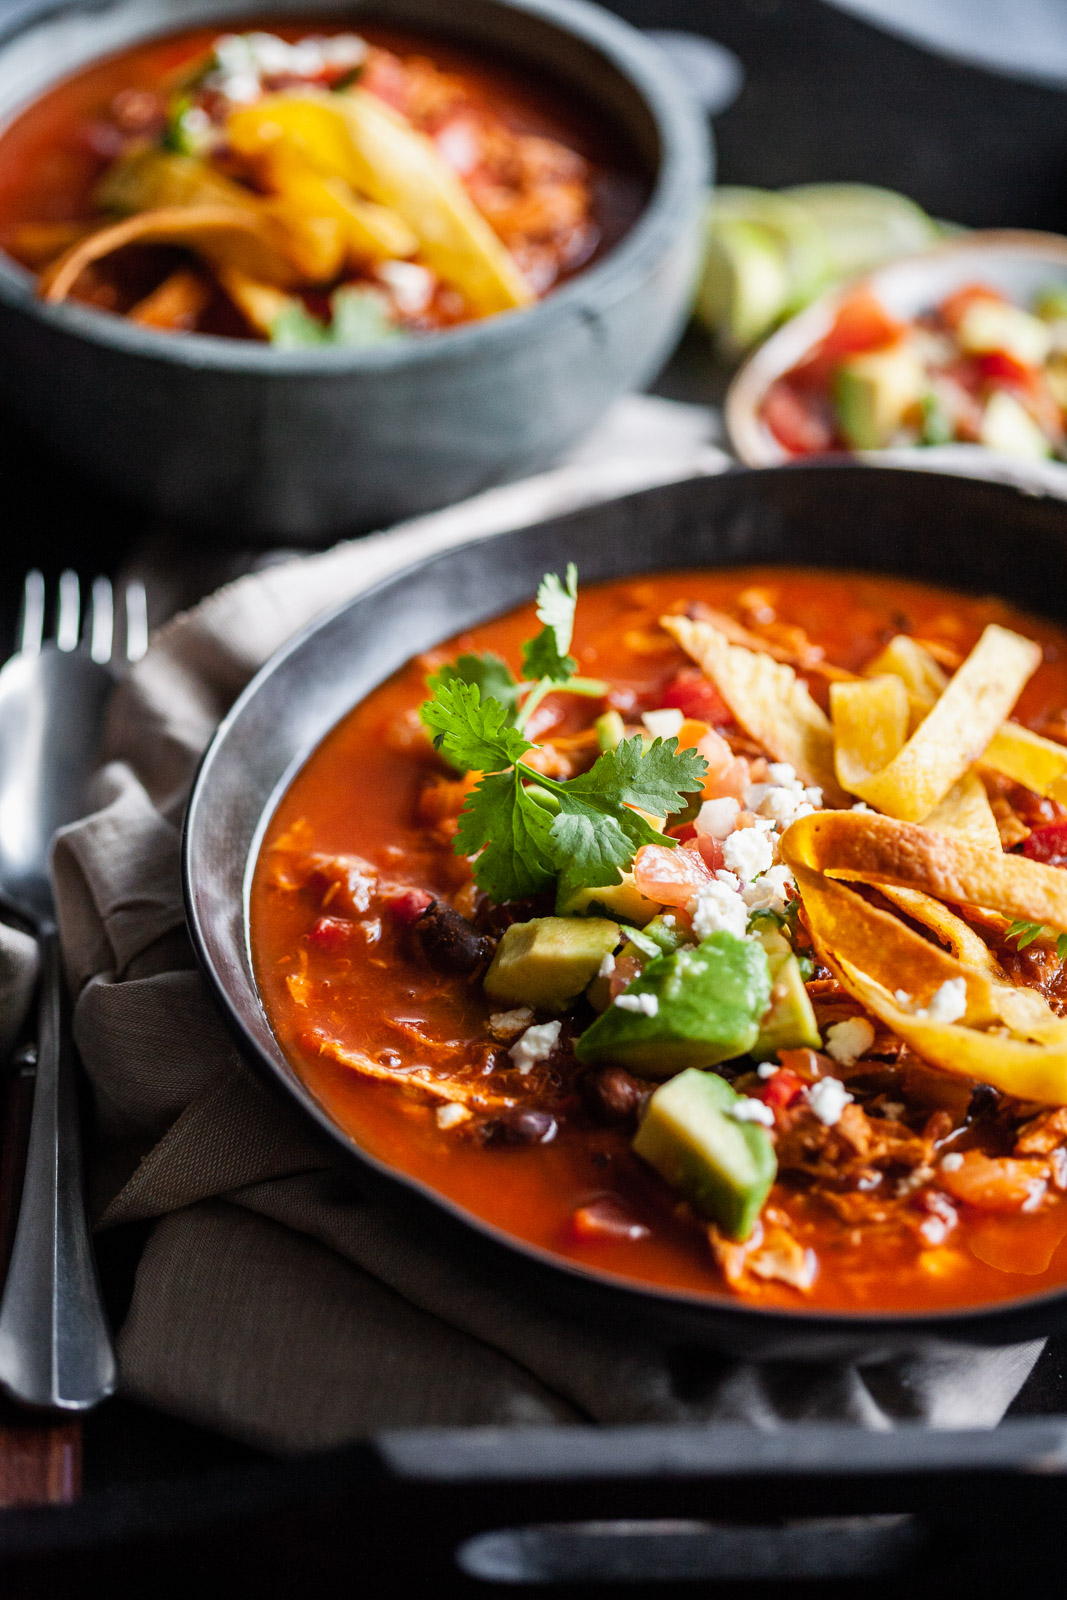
x,y
237,183
928,1190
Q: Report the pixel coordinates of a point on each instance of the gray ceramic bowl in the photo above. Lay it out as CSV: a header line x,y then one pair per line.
x,y
301,446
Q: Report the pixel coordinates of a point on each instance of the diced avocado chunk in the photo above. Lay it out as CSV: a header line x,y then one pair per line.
x,y
704,1005
661,934
1009,428
623,900
989,325
874,392
724,1168
789,1022
610,730
548,961
1051,303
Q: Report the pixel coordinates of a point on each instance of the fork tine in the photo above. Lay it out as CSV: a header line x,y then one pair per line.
x,y
101,621
136,620
68,618
31,622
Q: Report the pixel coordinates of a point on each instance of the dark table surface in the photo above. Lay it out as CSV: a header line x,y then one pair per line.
x,y
825,97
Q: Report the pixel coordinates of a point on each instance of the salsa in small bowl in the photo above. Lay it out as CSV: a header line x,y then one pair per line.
x,y
964,345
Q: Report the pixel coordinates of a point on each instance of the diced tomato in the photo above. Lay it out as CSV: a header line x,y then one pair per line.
x,y
603,1219
696,697
1048,844
953,309
407,907
727,774
862,323
710,849
683,834
800,422
332,933
671,877
998,367
781,1090
625,970
991,1183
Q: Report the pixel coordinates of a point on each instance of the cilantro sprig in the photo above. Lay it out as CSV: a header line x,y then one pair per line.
x,y
1025,933
548,666
527,831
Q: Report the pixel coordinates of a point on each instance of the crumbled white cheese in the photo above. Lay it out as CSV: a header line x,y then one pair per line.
x,y
828,1097
767,1069
748,853
861,806
665,724
718,818
903,999
952,1162
847,1041
506,1024
647,1004
767,893
731,880
935,1230
1037,1190
606,967
668,919
947,1004
411,285
450,1115
751,1111
536,1044
717,908
781,772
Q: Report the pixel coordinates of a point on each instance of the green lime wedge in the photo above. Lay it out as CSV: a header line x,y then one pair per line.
x,y
745,287
863,225
798,235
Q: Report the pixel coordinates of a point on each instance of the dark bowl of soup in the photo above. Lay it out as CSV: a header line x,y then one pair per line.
x,y
303,273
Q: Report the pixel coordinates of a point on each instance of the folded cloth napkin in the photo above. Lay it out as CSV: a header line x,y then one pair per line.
x,y
272,1301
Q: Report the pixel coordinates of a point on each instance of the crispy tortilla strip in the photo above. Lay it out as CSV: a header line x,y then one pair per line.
x,y
176,302
958,728
1029,1071
909,661
965,811
811,660
259,303
359,138
211,230
1037,763
950,929
417,1079
768,700
870,719
873,849
879,944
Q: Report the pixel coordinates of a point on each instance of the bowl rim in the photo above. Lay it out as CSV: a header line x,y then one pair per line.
x,y
751,439
683,167
983,1323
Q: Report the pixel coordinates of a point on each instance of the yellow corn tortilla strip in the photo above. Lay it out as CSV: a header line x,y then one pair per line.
x,y
357,137
958,728
415,1079
907,660
965,811
215,232
768,700
873,849
960,937
870,722
1037,763
1035,1072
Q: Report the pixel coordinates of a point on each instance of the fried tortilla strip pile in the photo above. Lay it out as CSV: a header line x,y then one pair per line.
x,y
768,701
951,737
1007,1036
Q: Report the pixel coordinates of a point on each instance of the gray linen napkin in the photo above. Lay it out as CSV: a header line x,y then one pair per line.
x,y
272,1302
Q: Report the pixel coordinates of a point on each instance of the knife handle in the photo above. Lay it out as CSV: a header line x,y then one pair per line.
x,y
55,1346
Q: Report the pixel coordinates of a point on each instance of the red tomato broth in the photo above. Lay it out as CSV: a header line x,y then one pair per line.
x,y
358,794
49,167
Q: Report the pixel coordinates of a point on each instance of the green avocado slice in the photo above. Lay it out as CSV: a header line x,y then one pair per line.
x,y
704,1005
724,1167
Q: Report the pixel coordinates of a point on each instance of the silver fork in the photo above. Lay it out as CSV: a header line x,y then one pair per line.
x,y
55,1347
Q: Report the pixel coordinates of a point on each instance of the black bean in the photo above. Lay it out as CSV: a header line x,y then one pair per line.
x,y
611,1095
521,1127
449,942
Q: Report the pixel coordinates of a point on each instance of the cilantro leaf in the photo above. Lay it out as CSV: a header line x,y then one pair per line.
x,y
1026,932
656,780
512,833
546,656
472,735
493,676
